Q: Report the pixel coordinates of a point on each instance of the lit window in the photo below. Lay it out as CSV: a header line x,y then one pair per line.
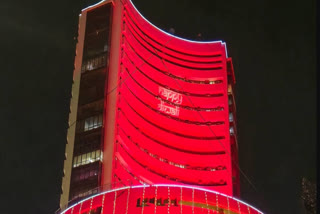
x,y
230,117
91,64
79,160
231,130
75,161
229,89
105,47
93,155
83,158
93,122
98,153
87,158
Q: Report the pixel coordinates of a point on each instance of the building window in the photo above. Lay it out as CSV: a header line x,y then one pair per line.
x,y
230,117
230,101
87,158
94,63
93,122
105,47
84,193
85,174
231,130
229,89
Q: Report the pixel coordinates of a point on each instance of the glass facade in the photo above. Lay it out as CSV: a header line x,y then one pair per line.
x,y
87,158
87,155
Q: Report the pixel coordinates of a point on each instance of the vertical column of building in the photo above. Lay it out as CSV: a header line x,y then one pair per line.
x,y
87,134
233,129
111,93
65,187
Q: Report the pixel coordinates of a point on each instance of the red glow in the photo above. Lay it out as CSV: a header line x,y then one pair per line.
x,y
173,90
161,199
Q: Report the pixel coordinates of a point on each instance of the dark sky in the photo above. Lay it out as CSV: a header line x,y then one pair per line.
x,y
272,44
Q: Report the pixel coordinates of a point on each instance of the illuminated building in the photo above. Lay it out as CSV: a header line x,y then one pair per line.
x,y
149,108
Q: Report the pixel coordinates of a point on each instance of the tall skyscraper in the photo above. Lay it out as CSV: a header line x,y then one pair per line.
x,y
149,108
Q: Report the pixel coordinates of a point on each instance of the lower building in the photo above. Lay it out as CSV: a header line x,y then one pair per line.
x,y
161,199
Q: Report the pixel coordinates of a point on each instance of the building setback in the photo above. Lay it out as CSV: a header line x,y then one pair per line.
x,y
148,108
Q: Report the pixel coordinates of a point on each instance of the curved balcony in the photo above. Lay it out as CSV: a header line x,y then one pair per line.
x,y
203,161
208,176
171,124
185,115
192,100
193,141
187,146
174,83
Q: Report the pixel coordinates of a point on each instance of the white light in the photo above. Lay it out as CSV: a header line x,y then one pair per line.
x,y
202,189
225,47
93,5
162,185
108,191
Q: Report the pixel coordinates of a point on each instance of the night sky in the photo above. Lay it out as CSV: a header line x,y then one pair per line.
x,y
272,44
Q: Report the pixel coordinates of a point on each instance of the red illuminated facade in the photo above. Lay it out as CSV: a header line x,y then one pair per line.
x,y
148,108
161,199
173,117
